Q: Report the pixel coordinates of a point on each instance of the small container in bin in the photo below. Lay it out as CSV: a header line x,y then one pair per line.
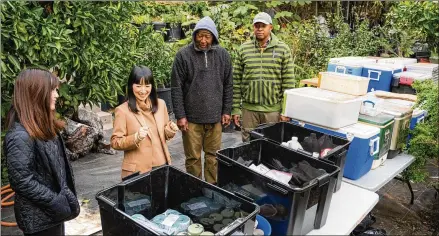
x,y
298,210
283,131
166,188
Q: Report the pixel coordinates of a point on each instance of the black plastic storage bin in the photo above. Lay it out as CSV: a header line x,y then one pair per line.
x,y
283,131
298,209
164,188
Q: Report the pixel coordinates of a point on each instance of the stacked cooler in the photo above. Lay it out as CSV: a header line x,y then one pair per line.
x,y
429,69
380,75
385,124
402,82
402,111
331,110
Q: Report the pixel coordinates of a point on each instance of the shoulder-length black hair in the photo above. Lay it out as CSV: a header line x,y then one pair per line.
x,y
137,74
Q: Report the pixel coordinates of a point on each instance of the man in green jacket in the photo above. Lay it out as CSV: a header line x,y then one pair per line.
x,y
262,72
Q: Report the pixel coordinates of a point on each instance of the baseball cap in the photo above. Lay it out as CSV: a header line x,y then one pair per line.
x,y
263,18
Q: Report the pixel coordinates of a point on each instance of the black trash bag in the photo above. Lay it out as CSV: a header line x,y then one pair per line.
x,y
303,173
365,224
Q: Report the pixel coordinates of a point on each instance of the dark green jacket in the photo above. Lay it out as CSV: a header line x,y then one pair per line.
x,y
261,77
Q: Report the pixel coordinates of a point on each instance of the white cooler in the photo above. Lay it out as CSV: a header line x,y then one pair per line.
x,y
398,61
321,107
343,83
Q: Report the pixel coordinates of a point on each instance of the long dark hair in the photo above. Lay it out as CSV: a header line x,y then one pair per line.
x,y
31,104
137,74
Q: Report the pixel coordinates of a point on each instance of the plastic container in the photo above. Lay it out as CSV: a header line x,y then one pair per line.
x,y
380,75
263,224
364,146
385,123
298,210
279,132
167,187
349,84
294,144
321,107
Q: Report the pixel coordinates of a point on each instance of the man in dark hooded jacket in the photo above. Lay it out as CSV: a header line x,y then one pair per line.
x,y
202,90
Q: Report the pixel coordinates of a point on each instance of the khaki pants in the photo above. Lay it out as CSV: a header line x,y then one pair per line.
x,y
206,137
251,119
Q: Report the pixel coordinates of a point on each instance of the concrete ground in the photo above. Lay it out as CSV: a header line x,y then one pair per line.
x,y
96,171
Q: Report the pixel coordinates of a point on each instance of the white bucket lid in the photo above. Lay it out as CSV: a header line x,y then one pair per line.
x,y
360,130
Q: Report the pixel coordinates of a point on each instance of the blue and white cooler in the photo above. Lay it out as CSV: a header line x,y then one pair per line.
x,y
418,116
380,75
348,65
365,144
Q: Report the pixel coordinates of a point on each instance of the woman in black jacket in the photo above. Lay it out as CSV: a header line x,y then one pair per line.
x,y
38,169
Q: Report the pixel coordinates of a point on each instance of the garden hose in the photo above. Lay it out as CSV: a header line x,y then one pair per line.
x,y
4,190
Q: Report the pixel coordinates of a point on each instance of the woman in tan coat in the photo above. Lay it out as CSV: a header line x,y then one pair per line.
x,y
142,126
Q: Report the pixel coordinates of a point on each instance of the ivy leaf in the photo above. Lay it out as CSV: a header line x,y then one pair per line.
x,y
14,61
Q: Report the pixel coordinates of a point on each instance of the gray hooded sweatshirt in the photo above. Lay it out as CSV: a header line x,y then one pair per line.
x,y
201,81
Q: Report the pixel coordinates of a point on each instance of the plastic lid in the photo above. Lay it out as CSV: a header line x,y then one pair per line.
x,y
195,229
383,67
380,119
411,74
361,130
418,112
400,60
394,109
423,66
321,94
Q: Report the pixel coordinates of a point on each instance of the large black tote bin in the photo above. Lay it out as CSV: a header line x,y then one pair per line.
x,y
165,188
301,209
283,131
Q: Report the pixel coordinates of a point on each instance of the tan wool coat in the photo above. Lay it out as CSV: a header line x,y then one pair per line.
x,y
126,124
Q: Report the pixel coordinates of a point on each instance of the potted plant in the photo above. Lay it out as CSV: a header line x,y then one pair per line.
x,y
159,57
189,25
173,26
158,23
